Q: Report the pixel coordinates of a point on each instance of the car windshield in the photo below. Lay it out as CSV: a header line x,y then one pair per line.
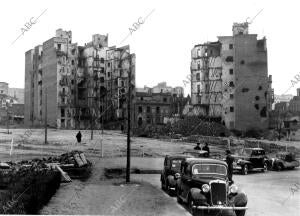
x,y
209,169
176,164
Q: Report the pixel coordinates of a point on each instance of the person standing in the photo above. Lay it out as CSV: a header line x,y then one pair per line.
x,y
229,161
78,137
206,148
198,146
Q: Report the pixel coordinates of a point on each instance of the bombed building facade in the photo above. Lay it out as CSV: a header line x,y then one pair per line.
x,y
230,80
74,86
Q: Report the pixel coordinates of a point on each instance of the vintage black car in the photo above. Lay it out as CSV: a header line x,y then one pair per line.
x,y
284,160
203,184
251,159
171,171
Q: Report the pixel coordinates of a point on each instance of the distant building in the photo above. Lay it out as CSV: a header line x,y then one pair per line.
x,y
294,105
16,93
230,80
158,105
84,85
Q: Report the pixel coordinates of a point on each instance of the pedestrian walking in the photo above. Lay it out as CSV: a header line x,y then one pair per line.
x,y
78,137
229,161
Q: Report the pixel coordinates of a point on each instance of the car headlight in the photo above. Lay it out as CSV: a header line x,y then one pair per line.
x,y
205,188
233,189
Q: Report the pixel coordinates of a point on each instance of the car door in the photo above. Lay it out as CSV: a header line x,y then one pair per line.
x,y
255,159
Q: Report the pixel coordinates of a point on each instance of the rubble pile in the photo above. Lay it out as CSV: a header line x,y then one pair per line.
x,y
26,188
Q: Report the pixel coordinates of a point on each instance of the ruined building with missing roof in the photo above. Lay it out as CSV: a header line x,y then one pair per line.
x,y
230,80
77,86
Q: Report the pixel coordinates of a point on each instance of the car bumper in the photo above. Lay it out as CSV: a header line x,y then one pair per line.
x,y
219,207
237,167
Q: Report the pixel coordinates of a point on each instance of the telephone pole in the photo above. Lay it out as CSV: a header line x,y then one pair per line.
x,y
46,115
128,122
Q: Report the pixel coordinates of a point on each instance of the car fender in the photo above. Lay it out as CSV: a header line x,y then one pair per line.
x,y
243,162
196,194
239,200
171,180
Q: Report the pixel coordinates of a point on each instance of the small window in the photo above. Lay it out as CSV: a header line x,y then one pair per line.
x,y
157,109
260,88
229,59
59,46
245,89
242,62
140,109
257,98
230,71
231,84
231,109
230,46
198,76
231,96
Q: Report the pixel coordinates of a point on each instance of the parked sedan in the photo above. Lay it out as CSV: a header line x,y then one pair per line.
x,y
284,160
203,184
250,159
171,171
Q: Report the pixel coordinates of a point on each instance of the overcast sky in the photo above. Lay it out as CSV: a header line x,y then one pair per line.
x,y
163,43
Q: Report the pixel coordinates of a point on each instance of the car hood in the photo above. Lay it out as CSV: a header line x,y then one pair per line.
x,y
205,179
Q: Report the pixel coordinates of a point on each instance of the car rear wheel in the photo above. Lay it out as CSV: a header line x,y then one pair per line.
x,y
245,169
279,167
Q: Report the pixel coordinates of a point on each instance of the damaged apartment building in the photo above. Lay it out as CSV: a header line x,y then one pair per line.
x,y
230,80
77,86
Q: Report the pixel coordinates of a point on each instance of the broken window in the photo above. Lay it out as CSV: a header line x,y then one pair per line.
x,y
58,46
242,62
73,62
256,106
231,71
231,96
230,46
148,120
142,98
256,97
102,60
231,84
198,89
231,109
229,59
165,99
148,109
260,88
108,74
62,112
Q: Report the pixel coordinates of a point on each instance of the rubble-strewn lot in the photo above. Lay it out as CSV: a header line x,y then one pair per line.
x,y
100,195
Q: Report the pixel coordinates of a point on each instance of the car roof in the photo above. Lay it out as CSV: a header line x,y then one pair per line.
x,y
195,151
255,148
178,156
284,153
205,160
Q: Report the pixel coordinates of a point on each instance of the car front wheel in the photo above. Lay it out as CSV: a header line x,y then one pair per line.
x,y
265,167
245,169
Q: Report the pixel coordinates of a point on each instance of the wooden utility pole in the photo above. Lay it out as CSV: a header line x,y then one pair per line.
x,y
7,121
128,122
46,115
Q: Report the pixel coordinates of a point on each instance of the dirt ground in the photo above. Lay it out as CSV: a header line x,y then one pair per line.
x,y
268,193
